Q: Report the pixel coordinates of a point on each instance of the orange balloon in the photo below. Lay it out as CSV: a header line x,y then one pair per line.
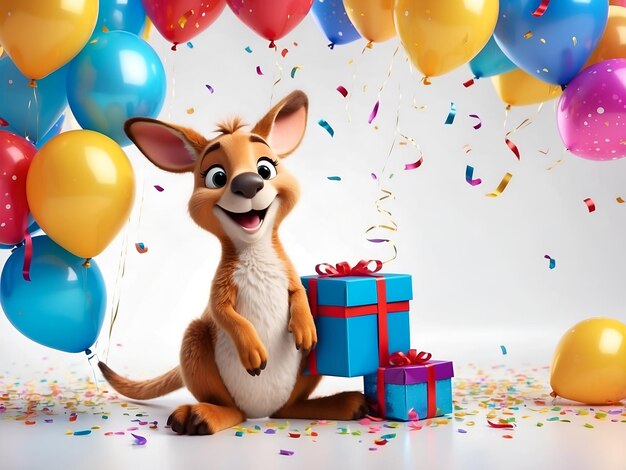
x,y
589,363
518,88
373,19
612,44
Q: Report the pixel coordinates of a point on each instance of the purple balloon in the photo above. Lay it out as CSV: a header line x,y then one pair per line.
x,y
592,112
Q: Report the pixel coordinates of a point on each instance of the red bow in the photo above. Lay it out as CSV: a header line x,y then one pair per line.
x,y
343,268
411,358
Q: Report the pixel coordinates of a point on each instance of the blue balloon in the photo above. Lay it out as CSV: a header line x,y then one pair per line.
x,y
31,112
490,61
331,16
115,77
63,305
554,46
53,132
120,15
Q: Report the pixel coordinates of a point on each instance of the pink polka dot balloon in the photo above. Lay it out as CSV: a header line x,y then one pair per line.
x,y
592,112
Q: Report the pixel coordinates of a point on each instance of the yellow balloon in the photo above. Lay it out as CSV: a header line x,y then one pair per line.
x,y
80,190
612,44
519,88
373,19
589,363
440,36
41,36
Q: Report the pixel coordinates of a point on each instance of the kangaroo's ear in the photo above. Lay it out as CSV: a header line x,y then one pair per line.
x,y
283,126
169,147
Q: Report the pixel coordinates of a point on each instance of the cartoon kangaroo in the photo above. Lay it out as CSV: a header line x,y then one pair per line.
x,y
241,195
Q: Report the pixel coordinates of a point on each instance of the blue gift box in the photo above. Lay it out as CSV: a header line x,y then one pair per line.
x,y
425,388
346,311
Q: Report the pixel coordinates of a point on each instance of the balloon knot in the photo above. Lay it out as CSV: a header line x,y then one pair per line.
x,y
272,45
331,46
553,394
174,46
563,87
369,45
87,263
32,83
426,81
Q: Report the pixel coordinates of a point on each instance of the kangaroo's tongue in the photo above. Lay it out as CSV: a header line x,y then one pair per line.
x,y
247,220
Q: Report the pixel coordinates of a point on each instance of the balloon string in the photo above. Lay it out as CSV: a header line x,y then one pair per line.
x,y
90,360
28,252
278,72
355,63
33,103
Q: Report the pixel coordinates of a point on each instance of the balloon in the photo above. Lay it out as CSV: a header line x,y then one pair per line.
x,y
271,19
589,363
612,44
116,76
121,15
518,88
490,61
80,189
621,3
43,35
591,114
555,45
54,130
331,17
63,305
32,228
31,112
440,36
372,19
16,155
180,20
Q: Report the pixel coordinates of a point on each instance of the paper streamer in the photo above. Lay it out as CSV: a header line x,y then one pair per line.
x,y
326,126
591,206
414,165
374,112
469,176
501,187
451,114
541,9
512,146
552,264
479,124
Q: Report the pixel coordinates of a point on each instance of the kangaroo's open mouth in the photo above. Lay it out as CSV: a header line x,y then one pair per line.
x,y
249,221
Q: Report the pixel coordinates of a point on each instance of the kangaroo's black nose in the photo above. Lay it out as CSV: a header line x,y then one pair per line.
x,y
247,184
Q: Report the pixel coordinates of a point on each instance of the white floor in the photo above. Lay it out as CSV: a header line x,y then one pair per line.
x,y
37,427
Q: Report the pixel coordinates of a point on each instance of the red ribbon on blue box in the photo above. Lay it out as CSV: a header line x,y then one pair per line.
x,y
362,268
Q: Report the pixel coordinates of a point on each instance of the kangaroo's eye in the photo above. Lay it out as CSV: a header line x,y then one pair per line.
x,y
215,177
266,168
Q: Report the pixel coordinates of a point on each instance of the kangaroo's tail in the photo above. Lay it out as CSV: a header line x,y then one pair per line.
x,y
145,389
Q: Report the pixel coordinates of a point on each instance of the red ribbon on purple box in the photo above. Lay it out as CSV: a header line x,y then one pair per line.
x,y
400,359
362,268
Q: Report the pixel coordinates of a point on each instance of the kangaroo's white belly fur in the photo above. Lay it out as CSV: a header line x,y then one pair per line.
x,y
262,298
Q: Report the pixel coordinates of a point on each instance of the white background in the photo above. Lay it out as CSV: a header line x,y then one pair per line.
x,y
480,276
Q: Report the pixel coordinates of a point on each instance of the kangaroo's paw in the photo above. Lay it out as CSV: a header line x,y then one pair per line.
x,y
203,419
304,332
354,405
253,357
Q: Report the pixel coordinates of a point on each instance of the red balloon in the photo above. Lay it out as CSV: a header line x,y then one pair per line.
x,y
180,20
272,19
16,153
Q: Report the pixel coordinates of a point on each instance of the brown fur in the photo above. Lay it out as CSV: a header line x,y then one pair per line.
x,y
198,371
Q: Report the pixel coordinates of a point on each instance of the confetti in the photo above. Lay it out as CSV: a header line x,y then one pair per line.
x,y
139,440
86,432
239,433
541,9
190,45
141,248
502,186
555,164
591,206
286,452
462,431
374,113
380,442
500,425
503,349
293,70
507,436
341,89
528,35
468,83
248,49
258,70
469,176
414,165
284,52
191,110
3,123
326,126
587,425
294,435
620,200
334,178
552,264
210,88
183,19
512,146
479,124
451,114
